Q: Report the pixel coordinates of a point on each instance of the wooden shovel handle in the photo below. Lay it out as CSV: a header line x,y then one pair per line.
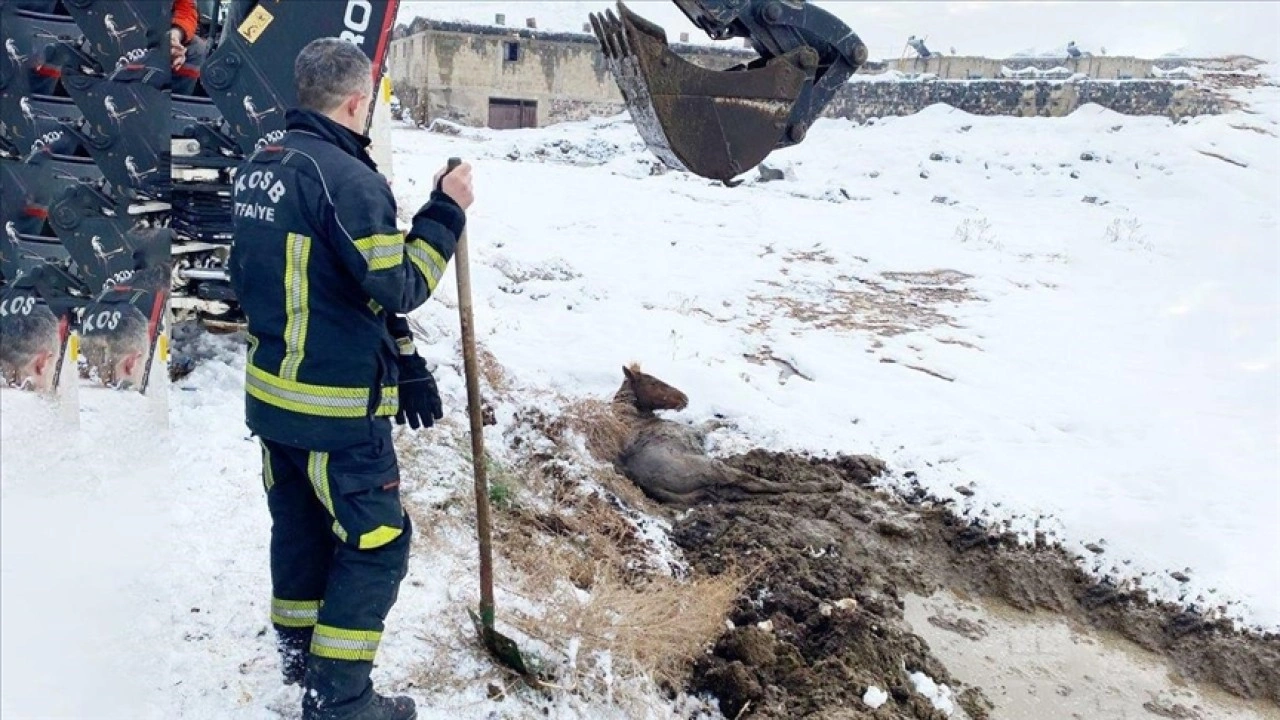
x,y
462,263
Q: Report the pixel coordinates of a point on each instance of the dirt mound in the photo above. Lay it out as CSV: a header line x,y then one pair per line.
x,y
822,620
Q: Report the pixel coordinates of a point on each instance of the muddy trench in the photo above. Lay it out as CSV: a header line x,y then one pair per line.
x,y
824,616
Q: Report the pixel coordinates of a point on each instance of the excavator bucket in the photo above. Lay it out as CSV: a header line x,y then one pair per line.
x,y
713,123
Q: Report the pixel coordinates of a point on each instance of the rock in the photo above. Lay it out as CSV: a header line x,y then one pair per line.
x,y
1075,174
1180,577
1094,548
1088,156
964,490
937,157
769,174
893,528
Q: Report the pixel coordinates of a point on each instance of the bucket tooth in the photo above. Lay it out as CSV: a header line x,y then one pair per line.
x,y
713,123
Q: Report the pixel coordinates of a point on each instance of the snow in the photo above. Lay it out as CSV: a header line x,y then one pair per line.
x,y
972,320
86,555
940,696
1114,368
874,697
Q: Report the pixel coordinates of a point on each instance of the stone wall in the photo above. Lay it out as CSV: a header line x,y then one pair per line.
x,y
965,67
452,71
566,110
862,100
1101,67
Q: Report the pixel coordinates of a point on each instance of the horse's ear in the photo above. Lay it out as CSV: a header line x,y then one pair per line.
x,y
626,371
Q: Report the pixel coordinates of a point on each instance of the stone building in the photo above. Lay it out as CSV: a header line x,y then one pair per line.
x,y
502,77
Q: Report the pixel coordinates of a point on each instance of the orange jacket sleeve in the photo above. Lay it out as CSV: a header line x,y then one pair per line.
x,y
185,18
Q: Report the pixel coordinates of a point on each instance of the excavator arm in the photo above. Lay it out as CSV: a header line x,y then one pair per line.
x,y
721,123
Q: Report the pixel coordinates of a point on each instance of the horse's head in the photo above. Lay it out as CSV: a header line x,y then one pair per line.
x,y
648,393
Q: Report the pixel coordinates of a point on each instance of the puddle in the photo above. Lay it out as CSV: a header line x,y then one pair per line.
x,y
1040,667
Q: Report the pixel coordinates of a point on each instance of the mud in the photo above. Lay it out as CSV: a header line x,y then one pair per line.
x,y
823,618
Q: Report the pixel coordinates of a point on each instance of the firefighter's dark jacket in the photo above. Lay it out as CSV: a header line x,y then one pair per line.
x,y
322,274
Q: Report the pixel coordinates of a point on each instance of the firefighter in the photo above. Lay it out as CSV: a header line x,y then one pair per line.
x,y
324,278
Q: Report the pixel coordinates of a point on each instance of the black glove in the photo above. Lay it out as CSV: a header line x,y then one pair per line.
x,y
419,398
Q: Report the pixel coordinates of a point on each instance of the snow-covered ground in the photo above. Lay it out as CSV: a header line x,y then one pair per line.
x,y
970,299
1099,344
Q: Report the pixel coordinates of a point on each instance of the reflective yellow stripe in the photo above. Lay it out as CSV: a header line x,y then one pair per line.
x,y
318,472
428,260
294,613
379,537
253,346
374,306
382,251
268,477
297,252
322,400
343,644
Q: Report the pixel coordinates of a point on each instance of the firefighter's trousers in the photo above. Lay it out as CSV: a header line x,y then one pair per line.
x,y
339,549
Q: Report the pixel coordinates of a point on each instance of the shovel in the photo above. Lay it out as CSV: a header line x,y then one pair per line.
x,y
502,647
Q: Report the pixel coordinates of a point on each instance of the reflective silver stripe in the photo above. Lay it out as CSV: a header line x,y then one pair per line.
x,y
345,643
299,398
342,644
295,613
298,613
428,261
382,251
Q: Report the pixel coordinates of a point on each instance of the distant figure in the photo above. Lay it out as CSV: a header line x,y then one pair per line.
x,y
918,46
1072,50
29,348
117,350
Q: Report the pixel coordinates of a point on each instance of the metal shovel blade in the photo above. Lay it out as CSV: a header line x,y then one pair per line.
x,y
713,123
500,646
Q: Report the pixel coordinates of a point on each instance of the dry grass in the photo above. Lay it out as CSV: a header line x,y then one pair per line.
x,y
604,432
585,564
1260,131
1224,158
492,371
568,542
865,304
656,628
625,490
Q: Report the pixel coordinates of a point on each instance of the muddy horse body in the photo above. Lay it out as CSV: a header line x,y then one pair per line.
x,y
668,460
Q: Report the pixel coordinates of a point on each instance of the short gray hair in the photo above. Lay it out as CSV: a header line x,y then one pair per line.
x,y
102,348
22,336
328,70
